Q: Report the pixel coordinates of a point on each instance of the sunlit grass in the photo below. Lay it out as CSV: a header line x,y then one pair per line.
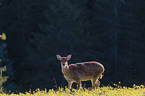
x,y
101,91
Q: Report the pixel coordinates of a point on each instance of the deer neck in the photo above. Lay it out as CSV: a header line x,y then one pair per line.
x,y
65,69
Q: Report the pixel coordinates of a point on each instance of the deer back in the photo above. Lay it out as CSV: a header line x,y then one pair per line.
x,y
84,70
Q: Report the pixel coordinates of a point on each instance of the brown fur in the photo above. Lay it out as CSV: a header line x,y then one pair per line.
x,y
81,71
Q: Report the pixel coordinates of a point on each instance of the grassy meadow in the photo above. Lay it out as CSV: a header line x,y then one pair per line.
x,y
101,91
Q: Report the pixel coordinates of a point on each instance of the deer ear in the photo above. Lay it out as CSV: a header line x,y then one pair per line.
x,y
58,57
68,57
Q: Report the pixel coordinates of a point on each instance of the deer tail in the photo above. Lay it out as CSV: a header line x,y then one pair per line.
x,y
101,76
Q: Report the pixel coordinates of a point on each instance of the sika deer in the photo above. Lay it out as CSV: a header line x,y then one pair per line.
x,y
81,71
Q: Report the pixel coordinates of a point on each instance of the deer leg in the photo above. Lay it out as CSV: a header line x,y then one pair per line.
x,y
78,84
95,82
92,81
69,84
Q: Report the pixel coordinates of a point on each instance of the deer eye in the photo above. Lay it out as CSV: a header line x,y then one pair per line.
x,y
63,64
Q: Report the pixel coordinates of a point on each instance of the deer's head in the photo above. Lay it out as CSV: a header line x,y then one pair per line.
x,y
64,60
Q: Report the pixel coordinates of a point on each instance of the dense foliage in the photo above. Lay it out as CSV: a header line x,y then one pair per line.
x,y
110,32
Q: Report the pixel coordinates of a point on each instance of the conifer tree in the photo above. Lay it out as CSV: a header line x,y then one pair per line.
x,y
6,69
2,67
64,34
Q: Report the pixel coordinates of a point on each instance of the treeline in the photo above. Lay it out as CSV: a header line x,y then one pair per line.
x,y
110,32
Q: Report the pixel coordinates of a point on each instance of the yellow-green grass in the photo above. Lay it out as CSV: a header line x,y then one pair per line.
x,y
102,91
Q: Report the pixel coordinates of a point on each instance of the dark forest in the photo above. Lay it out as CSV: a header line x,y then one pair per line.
x,y
111,32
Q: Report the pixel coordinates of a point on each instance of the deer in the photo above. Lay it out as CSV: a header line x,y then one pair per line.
x,y
83,71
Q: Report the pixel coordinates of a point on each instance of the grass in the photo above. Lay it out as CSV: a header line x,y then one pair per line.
x,y
102,91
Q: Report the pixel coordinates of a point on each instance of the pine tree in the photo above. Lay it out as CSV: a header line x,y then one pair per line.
x,y
65,33
2,67
6,69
